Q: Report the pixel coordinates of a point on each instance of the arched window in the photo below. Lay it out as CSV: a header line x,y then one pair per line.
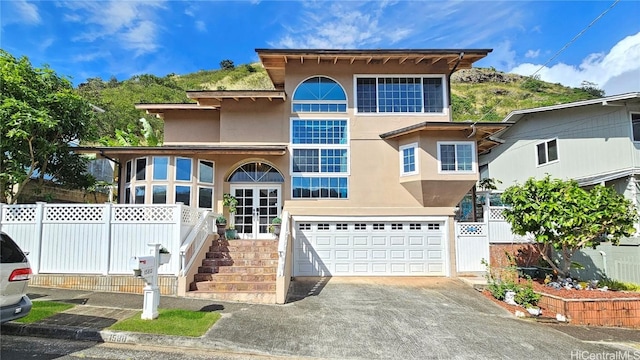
x,y
319,94
256,172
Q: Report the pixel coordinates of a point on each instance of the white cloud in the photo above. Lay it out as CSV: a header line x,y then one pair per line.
x,y
341,25
20,11
131,23
201,26
46,43
614,72
532,54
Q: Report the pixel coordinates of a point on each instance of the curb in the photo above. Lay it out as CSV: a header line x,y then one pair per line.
x,y
120,337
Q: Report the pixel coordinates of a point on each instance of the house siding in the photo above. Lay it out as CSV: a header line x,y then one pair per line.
x,y
591,140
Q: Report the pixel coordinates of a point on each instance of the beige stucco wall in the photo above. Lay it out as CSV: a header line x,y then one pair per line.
x,y
375,184
191,127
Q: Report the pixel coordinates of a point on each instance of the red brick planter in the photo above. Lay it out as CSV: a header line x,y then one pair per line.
x,y
623,312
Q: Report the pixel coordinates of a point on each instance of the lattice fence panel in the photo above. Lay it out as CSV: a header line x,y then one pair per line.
x,y
74,213
190,215
19,213
471,229
143,213
496,213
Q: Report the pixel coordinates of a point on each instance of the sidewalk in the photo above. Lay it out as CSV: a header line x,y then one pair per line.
x,y
96,311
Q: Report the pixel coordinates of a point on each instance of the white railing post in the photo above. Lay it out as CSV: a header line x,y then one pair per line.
x,y
39,219
106,237
176,238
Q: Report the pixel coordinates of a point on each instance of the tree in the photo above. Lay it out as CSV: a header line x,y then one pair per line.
x,y
227,64
40,116
592,88
562,215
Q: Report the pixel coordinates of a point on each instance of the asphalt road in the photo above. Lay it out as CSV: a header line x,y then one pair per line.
x,y
22,347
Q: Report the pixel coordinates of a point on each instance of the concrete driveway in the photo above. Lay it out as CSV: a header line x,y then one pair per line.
x,y
396,318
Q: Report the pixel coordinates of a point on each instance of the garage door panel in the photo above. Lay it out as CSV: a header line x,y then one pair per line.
x,y
368,248
342,241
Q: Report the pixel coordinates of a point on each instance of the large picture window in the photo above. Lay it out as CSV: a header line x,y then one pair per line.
x,y
407,94
319,158
456,156
319,94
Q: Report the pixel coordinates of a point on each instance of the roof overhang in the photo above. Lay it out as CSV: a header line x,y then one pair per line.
x,y
615,100
207,97
482,132
160,109
275,60
221,149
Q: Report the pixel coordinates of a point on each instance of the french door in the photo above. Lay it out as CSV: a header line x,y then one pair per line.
x,y
257,206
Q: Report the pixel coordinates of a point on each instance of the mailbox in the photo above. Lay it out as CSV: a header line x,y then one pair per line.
x,y
143,266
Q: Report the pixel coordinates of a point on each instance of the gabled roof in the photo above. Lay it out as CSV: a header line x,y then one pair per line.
x,y
614,100
275,60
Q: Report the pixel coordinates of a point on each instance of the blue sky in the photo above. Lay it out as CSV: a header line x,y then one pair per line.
x,y
84,39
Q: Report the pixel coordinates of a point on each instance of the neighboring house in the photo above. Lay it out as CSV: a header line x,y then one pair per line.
x,y
593,142
357,145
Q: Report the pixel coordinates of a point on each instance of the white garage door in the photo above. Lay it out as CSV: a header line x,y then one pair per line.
x,y
373,248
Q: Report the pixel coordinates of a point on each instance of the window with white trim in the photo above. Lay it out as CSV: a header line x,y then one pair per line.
x,y
635,126
141,169
456,156
400,94
183,169
160,167
129,171
139,194
159,194
205,184
183,194
319,94
409,159
319,158
547,152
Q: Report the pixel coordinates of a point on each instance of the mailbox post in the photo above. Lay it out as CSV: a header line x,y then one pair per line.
x,y
146,267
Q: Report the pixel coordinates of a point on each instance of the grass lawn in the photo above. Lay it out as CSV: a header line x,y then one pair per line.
x,y
44,309
170,322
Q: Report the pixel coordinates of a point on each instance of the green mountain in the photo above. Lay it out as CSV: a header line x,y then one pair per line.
x,y
477,94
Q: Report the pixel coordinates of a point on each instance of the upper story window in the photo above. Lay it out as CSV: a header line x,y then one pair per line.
x,y
635,125
406,94
409,159
141,168
319,158
319,94
456,157
547,152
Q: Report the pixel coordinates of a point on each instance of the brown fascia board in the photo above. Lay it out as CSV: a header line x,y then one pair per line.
x,y
378,52
446,126
184,149
236,94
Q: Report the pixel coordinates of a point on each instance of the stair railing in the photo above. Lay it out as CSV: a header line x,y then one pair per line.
x,y
195,240
283,242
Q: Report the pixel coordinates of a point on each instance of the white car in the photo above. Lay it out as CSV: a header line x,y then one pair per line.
x,y
15,273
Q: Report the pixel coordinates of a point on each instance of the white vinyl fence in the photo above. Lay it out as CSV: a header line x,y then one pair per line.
x,y
96,238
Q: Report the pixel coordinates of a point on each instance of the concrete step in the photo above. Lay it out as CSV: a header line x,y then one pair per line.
x,y
247,243
240,262
237,269
249,255
215,286
239,296
234,248
235,277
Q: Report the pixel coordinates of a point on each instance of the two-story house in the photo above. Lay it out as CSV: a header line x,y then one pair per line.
x,y
357,145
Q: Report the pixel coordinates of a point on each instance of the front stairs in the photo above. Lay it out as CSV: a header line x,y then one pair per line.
x,y
238,270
